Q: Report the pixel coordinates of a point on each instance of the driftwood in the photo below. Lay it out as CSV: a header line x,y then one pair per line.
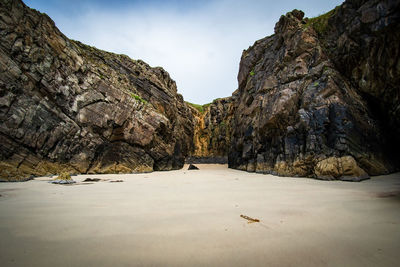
x,y
250,220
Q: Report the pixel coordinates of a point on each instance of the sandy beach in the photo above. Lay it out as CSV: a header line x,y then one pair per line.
x,y
192,218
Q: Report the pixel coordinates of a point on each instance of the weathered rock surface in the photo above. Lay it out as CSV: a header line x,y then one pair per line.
x,y
319,98
69,107
319,101
212,132
63,178
362,40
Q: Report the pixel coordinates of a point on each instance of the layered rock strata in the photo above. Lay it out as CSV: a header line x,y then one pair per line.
x,y
319,98
212,132
306,95
69,107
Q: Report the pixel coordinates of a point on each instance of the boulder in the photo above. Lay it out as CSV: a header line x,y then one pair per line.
x,y
63,178
192,167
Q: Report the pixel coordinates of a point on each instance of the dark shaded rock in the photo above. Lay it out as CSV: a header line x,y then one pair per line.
x,y
116,181
361,39
319,97
207,160
92,180
192,167
62,182
69,107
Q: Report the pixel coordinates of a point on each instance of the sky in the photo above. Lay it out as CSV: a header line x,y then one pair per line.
x,y
198,42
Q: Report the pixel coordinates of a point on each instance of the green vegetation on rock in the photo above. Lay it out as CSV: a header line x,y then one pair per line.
x,y
206,105
138,98
200,108
320,23
196,106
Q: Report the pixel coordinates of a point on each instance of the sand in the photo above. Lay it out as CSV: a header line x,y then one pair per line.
x,y
192,218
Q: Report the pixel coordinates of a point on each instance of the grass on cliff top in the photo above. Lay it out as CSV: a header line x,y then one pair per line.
x,y
320,23
200,108
96,51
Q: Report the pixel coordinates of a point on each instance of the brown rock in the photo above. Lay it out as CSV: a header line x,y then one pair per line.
x,y
64,176
212,132
345,168
66,106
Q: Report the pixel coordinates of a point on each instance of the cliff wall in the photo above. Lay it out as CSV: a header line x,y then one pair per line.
x,y
212,132
66,106
319,98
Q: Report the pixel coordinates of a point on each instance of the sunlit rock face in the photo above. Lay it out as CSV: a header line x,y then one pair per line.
x,y
69,107
212,132
320,97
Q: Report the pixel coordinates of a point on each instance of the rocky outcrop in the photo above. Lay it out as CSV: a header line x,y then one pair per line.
x,y
212,132
317,98
69,107
361,38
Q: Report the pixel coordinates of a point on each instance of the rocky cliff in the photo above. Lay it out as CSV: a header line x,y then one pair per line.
x,y
320,97
66,106
212,132
362,40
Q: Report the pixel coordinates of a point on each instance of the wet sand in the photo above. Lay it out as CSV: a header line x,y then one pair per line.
x,y
192,218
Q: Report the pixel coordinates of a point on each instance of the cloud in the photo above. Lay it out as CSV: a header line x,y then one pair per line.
x,y
199,45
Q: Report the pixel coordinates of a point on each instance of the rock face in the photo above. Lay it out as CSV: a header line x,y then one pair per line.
x,y
69,107
317,98
362,40
212,132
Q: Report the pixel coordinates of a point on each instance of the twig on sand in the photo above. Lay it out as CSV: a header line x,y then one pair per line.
x,y
249,219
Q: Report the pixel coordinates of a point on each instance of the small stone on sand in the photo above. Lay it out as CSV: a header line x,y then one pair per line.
x,y
192,167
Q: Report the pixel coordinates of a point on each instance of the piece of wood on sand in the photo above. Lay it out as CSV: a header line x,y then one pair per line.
x,y
249,219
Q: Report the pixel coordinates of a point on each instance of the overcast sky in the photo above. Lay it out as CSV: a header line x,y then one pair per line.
x,y
198,42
